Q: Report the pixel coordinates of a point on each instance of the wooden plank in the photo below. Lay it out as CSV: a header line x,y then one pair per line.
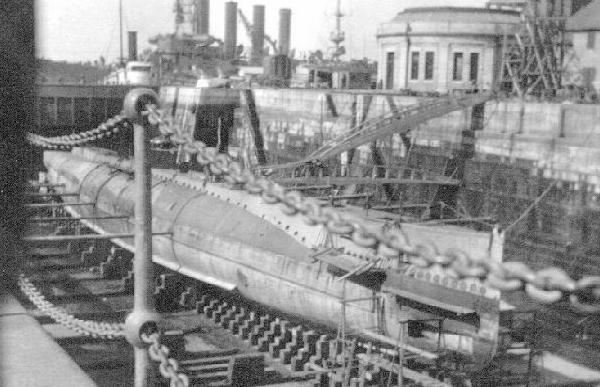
x,y
252,115
53,205
309,187
388,340
400,206
343,180
49,194
342,197
81,237
68,218
446,298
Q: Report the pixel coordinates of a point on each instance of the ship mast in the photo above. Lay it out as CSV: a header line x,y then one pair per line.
x,y
121,32
338,36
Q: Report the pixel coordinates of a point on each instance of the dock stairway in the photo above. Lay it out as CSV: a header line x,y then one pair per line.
x,y
312,170
401,120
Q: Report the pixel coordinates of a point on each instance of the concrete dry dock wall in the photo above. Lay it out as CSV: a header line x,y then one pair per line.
x,y
557,137
302,119
562,139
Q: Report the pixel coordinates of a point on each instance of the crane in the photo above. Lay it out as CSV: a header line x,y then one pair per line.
x,y
249,28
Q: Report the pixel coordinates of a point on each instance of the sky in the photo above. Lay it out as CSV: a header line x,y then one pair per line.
x,y
84,30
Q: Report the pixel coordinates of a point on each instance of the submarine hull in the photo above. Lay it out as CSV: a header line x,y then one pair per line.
x,y
235,241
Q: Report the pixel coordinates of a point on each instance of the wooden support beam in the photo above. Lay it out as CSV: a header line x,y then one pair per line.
x,y
409,348
45,185
254,121
53,205
359,299
400,206
81,237
342,180
68,218
456,220
309,187
42,195
341,197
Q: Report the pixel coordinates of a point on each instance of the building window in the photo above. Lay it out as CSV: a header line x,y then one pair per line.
x,y
591,39
474,67
457,68
389,71
429,59
414,65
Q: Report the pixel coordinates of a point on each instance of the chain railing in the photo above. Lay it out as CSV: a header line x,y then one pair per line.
x,y
168,366
107,330
158,352
106,129
546,286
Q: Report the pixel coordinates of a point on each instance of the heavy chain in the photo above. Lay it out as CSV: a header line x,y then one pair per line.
x,y
547,286
168,367
111,126
107,330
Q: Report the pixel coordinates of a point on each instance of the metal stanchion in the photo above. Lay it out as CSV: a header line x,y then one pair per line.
x,y
143,316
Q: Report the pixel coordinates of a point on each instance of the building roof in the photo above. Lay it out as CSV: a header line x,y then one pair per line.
x,y
486,23
586,19
457,14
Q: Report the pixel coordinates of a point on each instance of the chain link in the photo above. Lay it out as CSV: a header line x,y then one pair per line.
x,y
107,330
168,366
546,286
106,129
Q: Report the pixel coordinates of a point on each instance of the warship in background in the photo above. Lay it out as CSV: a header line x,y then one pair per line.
x,y
134,72
191,53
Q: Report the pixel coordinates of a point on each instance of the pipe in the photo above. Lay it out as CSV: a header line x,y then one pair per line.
x,y
285,27
258,34
142,261
144,316
230,37
203,17
132,45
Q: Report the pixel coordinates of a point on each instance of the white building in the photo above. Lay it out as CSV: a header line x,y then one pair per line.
x,y
443,49
584,64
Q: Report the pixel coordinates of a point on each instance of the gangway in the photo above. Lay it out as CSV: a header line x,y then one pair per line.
x,y
400,121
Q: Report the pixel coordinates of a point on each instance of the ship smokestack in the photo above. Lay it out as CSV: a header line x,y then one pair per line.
x,y
285,30
258,34
202,17
132,45
230,38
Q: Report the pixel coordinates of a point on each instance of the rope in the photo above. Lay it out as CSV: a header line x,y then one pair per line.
x,y
531,206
